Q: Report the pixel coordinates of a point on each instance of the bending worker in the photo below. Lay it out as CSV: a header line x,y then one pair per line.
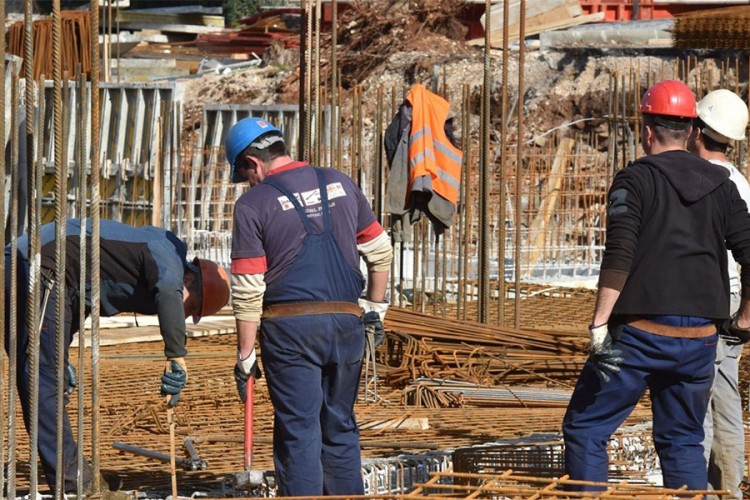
x,y
143,270
722,117
663,288
297,239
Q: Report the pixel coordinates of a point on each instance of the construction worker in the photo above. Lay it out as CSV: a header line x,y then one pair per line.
x,y
663,287
722,118
143,270
297,237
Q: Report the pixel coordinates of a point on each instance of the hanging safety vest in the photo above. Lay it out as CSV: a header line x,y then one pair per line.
x,y
431,155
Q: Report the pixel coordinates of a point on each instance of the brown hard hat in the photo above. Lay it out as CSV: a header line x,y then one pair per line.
x,y
214,287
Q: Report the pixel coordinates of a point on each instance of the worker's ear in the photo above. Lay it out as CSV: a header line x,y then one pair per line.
x,y
189,278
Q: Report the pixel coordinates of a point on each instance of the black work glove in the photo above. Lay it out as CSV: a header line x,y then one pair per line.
x,y
173,380
732,334
243,370
374,326
71,380
605,359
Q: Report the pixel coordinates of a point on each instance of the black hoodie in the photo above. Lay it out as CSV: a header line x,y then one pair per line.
x,y
670,219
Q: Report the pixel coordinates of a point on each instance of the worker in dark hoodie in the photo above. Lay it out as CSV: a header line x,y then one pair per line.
x,y
662,294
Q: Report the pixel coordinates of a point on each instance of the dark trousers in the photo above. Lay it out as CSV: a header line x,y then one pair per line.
x,y
678,373
47,440
312,365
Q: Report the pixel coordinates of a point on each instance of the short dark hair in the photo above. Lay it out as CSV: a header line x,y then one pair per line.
x,y
273,151
709,142
668,129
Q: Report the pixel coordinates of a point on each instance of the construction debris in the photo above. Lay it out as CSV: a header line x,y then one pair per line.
x,y
260,32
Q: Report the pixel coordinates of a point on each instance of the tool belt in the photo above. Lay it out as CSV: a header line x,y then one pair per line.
x,y
310,308
683,332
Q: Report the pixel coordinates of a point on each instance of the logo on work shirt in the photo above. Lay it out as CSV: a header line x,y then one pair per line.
x,y
312,198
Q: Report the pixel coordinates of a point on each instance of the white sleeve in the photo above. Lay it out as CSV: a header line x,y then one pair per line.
x,y
247,296
377,253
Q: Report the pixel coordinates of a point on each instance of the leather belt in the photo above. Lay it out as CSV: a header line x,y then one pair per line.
x,y
310,308
685,332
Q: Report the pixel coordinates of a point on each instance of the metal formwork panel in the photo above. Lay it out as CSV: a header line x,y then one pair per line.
x,y
138,125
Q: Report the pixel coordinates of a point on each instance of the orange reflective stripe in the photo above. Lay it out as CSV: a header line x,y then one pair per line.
x,y
431,153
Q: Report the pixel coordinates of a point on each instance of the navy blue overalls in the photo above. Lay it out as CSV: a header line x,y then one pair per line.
x,y
312,365
678,373
47,444
126,286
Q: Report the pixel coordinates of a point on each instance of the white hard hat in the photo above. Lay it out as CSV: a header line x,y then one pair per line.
x,y
725,115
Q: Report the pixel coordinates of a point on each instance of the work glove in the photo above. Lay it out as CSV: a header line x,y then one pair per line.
x,y
174,379
71,380
733,334
373,319
605,359
243,370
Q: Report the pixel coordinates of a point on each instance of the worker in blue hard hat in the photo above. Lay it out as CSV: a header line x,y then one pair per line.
x,y
296,244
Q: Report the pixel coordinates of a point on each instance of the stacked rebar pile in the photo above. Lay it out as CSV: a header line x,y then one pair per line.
x,y
75,28
725,28
446,363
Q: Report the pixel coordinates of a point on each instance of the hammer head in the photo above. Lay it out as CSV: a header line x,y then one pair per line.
x,y
247,479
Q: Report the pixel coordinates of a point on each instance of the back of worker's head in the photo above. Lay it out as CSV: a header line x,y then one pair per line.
x,y
722,117
668,108
252,137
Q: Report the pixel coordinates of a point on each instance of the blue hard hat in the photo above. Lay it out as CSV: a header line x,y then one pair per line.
x,y
241,135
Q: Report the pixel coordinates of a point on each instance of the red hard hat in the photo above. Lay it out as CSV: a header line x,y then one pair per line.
x,y
671,98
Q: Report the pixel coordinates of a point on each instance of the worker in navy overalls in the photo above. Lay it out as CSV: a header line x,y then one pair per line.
x,y
297,240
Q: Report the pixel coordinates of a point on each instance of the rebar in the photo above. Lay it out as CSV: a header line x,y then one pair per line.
x,y
95,250
81,171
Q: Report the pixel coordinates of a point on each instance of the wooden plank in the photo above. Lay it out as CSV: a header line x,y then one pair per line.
x,y
542,9
554,183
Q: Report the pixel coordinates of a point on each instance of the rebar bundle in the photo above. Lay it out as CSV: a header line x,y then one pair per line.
x,y
725,28
75,44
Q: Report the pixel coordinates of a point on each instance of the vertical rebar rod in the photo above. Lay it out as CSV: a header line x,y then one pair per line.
x,y
335,130
424,249
519,156
307,152
484,165
318,110
303,74
464,207
504,116
32,319
81,165
95,236
378,177
60,236
358,132
13,285
3,302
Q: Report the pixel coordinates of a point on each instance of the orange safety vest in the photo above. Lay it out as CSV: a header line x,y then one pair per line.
x,y
430,151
